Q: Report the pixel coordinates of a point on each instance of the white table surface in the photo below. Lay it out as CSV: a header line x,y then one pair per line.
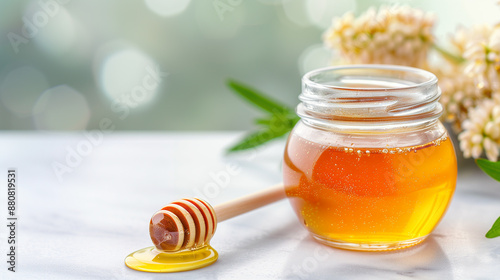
x,y
83,226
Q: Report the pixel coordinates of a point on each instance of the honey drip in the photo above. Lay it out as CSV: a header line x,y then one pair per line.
x,y
152,260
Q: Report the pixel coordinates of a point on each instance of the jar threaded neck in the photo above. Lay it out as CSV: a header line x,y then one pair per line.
x,y
369,95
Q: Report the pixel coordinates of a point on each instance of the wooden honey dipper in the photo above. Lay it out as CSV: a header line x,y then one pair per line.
x,y
191,222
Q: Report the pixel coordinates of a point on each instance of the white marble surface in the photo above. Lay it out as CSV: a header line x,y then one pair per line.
x,y
83,226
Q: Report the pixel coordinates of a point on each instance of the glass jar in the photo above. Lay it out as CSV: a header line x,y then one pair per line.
x,y
369,166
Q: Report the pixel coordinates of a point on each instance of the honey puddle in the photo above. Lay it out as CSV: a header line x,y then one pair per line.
x,y
152,260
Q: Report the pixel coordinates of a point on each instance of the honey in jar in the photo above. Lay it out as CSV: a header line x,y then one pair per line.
x,y
369,166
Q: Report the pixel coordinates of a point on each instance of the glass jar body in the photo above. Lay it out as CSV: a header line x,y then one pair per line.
x,y
369,191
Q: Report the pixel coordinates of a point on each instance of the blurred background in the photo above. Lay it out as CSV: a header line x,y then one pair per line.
x,y
163,64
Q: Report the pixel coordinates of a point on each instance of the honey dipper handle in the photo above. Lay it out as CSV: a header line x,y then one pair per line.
x,y
249,202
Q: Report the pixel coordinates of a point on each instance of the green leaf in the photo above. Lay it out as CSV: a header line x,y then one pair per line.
x,y
279,122
294,120
258,99
491,168
275,126
495,230
256,139
264,122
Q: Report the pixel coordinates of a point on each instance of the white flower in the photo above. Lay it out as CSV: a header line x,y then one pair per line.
x,y
483,58
393,35
482,130
460,87
459,94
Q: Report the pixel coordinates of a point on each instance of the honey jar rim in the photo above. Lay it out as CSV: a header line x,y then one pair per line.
x,y
391,94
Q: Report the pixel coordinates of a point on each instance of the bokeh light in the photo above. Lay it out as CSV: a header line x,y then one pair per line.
x,y
101,47
128,76
270,2
321,12
219,25
56,35
315,56
167,8
295,11
20,89
61,108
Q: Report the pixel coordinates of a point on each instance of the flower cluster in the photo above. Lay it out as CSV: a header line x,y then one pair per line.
x,y
483,59
459,94
392,35
469,76
471,90
460,91
482,130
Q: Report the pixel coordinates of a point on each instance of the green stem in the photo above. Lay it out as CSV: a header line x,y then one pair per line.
x,y
448,55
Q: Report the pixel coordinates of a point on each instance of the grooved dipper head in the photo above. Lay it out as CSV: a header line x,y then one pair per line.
x,y
183,224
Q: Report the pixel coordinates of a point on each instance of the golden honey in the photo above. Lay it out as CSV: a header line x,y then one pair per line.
x,y
378,198
152,260
369,166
